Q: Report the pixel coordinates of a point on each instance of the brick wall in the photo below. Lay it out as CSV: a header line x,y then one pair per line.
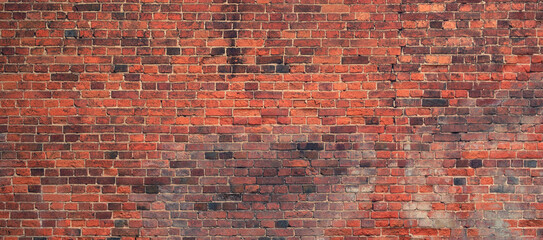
x,y
271,120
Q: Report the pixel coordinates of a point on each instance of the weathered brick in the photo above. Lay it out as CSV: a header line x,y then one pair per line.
x,y
120,68
291,120
71,33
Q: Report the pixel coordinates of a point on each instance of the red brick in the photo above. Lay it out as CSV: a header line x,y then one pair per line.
x,y
384,215
286,120
85,198
530,223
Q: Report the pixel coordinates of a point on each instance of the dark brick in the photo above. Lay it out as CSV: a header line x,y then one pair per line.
x,y
224,69
173,51
157,180
125,232
112,155
103,215
269,59
236,60
355,60
200,206
140,207
267,69
17,7
309,189
462,163
307,8
512,180
73,232
233,51
530,163
86,7
371,120
230,34
182,164
120,68
121,223
229,197
71,33
118,16
152,189
282,69
281,224
53,181
447,137
416,121
310,146
406,68
436,25
211,155
435,102
343,129
214,206
132,77
82,180
459,181
385,146
134,42
37,172
309,155
64,77
365,163
155,60
476,163
217,51
34,188
340,171
226,155
502,189
105,180
416,50
418,147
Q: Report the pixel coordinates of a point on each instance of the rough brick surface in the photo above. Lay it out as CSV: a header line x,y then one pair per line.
x,y
269,120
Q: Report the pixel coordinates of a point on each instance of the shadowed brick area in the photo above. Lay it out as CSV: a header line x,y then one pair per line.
x,y
271,120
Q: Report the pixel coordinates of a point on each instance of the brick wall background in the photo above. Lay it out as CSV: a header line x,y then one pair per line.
x,y
271,119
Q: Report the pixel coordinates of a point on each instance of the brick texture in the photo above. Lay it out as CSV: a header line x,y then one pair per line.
x,y
271,120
